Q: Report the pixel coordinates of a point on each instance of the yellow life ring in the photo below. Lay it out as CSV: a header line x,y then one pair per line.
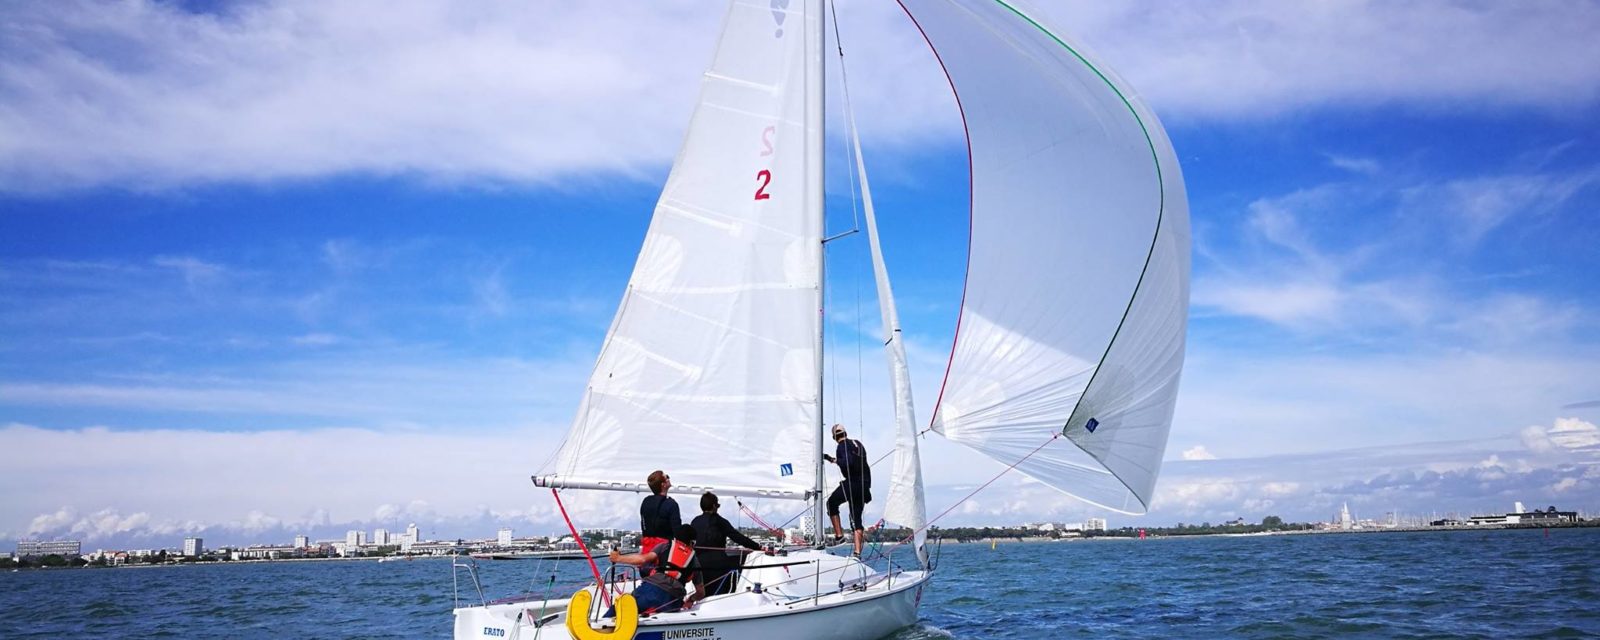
x,y
578,618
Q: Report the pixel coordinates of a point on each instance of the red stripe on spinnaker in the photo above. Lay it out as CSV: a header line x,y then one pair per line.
x,y
966,135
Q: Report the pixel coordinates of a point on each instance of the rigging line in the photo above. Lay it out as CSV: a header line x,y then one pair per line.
x,y
599,583
832,354
981,487
743,510
861,420
854,149
849,115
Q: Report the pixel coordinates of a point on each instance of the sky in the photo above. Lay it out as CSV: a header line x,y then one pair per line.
x,y
274,267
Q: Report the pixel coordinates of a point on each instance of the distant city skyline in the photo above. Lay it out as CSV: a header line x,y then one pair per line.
x,y
267,272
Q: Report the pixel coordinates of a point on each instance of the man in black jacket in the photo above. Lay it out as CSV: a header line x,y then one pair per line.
x,y
856,487
712,531
658,514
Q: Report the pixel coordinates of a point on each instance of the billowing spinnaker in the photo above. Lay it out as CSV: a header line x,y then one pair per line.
x,y
709,370
1077,283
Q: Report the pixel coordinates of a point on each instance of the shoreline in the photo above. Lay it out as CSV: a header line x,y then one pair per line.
x,y
1253,534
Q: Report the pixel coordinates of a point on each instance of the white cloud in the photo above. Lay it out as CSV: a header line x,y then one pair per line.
x,y
1198,452
1573,433
1535,439
240,481
147,95
1342,258
195,272
361,389
1364,166
1254,57
51,521
1419,479
315,339
1265,404
1474,207
108,522
1567,435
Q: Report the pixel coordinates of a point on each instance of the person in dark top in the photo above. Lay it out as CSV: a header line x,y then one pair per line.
x,y
658,514
856,488
674,563
712,532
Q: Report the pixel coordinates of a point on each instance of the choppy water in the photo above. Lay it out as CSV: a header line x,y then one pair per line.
x,y
1423,585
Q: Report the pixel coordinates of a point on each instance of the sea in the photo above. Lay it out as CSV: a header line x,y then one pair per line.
x,y
1521,583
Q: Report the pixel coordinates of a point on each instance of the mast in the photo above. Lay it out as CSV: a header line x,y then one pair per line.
x,y
816,45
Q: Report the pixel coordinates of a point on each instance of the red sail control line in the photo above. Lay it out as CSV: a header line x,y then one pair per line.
x,y
599,584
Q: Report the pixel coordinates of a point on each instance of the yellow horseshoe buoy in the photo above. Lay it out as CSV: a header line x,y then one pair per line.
x,y
578,618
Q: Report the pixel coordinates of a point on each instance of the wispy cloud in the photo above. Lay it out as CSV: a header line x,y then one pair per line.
x,y
1364,166
1474,207
1345,258
347,388
1246,57
315,340
151,95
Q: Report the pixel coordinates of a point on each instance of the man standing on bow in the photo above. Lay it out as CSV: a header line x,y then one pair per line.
x,y
856,487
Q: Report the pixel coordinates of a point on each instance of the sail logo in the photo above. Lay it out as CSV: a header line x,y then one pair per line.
x,y
786,469
1091,425
779,8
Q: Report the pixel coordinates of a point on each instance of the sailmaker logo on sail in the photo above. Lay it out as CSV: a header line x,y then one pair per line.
x,y
786,469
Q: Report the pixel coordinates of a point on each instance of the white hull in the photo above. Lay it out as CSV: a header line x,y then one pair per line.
x,y
876,606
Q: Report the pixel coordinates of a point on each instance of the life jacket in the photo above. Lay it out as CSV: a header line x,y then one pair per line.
x,y
677,560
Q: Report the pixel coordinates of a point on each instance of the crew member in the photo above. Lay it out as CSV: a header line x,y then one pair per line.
x,y
712,531
675,563
658,514
856,488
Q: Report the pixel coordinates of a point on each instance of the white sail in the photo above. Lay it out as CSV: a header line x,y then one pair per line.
x,y
1076,299
710,368
906,504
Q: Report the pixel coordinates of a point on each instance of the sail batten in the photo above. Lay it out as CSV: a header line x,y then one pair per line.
x,y
1075,304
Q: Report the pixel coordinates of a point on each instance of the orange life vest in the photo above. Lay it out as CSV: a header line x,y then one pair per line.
x,y
678,558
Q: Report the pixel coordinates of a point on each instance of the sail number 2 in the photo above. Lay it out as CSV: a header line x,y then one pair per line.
x,y
766,178
765,175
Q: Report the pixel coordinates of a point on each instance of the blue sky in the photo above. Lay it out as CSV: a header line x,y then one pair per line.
x,y
280,266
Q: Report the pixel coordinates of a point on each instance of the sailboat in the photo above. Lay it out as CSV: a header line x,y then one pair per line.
x,y
1067,352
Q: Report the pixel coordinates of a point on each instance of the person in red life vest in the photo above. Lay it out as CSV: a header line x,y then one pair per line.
x,y
856,488
672,564
658,514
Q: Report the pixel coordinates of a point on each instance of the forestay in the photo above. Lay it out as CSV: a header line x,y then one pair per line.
x,y
906,505
1077,281
709,369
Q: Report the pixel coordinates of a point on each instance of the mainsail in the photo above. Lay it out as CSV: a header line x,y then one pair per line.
x,y
710,369
1077,281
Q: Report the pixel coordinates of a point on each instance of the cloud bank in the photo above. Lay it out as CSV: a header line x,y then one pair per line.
x,y
322,483
152,95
